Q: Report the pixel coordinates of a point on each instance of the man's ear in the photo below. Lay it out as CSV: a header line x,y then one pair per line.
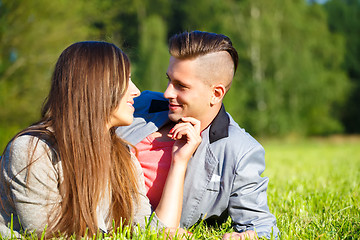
x,y
218,93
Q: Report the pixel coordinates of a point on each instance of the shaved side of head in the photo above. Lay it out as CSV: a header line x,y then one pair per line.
x,y
215,68
213,54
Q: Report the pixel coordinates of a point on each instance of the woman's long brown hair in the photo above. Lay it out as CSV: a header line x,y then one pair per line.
x,y
88,82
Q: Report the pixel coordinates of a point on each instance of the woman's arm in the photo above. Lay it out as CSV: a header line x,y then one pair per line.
x,y
187,138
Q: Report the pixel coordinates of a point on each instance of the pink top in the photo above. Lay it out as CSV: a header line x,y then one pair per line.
x,y
155,159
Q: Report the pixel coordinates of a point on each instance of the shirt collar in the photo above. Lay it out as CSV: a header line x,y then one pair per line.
x,y
158,106
219,127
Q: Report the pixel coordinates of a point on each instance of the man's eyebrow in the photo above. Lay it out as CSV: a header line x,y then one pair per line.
x,y
175,81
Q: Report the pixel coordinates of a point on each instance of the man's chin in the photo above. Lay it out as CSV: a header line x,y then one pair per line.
x,y
174,117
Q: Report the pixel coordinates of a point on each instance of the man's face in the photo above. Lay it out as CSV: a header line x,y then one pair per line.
x,y
188,92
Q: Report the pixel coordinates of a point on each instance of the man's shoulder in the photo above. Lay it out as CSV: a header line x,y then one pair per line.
x,y
238,148
150,95
150,102
151,112
239,138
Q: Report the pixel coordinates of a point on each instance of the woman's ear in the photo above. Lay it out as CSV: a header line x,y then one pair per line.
x,y
218,93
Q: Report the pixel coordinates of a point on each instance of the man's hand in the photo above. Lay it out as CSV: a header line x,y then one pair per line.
x,y
247,235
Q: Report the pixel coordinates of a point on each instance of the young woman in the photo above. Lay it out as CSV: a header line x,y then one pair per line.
x,y
70,172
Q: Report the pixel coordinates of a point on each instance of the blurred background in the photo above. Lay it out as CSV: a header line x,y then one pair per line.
x,y
299,66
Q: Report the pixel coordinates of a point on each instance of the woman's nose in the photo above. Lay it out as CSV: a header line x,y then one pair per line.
x,y
134,91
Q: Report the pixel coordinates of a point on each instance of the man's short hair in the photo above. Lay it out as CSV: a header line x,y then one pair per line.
x,y
193,44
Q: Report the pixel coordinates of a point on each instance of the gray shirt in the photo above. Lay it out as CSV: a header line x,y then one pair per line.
x,y
35,194
223,177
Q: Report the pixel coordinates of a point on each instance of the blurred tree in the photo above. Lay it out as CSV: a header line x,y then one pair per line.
x,y
153,55
283,62
139,28
152,58
344,18
205,15
32,35
115,21
290,76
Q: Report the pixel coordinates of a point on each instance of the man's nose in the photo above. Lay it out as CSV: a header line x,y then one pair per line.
x,y
169,92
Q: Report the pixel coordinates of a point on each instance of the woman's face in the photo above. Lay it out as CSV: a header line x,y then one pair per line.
x,y
123,114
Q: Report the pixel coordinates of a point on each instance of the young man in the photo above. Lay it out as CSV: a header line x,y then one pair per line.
x,y
223,176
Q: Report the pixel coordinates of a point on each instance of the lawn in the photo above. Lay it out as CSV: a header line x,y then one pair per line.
x,y
314,187
314,190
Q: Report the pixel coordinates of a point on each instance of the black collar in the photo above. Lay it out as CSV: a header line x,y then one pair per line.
x,y
158,106
219,127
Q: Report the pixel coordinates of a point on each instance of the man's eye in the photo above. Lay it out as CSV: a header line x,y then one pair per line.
x,y
180,85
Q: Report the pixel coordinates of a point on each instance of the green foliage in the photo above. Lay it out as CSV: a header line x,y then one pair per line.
x,y
293,75
344,19
287,74
32,35
154,57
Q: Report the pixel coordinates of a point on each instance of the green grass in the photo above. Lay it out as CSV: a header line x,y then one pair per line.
x,y
314,187
313,191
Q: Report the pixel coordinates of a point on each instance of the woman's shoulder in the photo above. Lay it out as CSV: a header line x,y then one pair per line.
x,y
29,141
26,148
23,140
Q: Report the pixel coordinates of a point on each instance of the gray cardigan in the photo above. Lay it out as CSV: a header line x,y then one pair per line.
x,y
223,177
37,197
